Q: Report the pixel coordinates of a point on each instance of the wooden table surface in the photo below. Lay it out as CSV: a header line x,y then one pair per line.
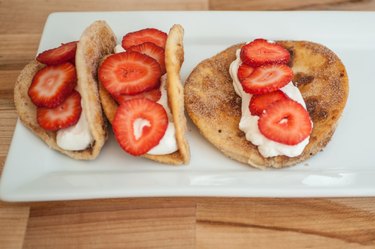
x,y
165,222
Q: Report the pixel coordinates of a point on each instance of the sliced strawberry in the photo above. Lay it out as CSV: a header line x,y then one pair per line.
x,y
129,73
139,125
244,71
261,52
267,79
286,122
155,36
66,52
62,116
73,61
153,95
52,84
151,50
259,103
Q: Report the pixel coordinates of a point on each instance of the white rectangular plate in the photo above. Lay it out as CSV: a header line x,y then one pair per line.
x,y
346,167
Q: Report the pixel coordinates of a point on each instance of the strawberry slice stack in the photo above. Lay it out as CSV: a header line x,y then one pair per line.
x,y
262,74
133,80
52,89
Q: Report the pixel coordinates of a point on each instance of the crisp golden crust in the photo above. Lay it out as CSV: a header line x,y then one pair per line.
x,y
108,103
174,57
215,109
95,42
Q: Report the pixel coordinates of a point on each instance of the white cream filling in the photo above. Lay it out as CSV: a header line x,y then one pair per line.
x,y
168,143
76,137
249,123
138,126
119,49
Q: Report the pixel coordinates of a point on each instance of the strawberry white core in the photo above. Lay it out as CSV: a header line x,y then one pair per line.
x,y
249,123
283,121
138,126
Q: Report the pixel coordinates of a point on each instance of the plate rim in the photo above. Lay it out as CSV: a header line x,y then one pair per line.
x,y
7,195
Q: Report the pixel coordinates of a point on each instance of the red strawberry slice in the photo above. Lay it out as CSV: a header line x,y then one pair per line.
x,y
261,52
133,137
151,50
63,116
267,79
286,122
129,73
259,103
52,84
155,36
244,71
66,52
153,95
73,61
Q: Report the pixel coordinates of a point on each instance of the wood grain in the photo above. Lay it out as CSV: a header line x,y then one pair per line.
x,y
165,222
233,236
13,222
8,122
31,17
129,223
306,223
16,51
204,222
292,5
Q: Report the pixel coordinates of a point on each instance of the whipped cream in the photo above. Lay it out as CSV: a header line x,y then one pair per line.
x,y
119,49
138,126
249,123
164,97
168,144
76,137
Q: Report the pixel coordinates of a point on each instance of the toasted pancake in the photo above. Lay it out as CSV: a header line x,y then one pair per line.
x,y
174,57
215,108
96,41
